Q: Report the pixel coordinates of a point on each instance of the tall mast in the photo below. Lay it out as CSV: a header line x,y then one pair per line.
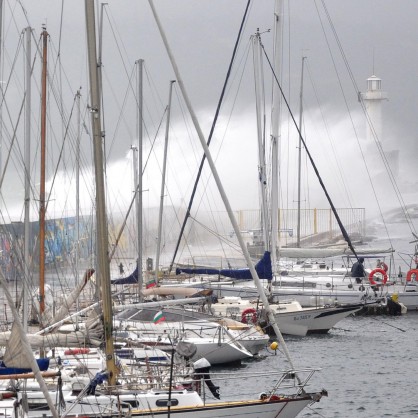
x,y
222,193
42,185
103,268
140,65
160,216
259,100
134,149
77,194
26,250
99,74
300,154
275,126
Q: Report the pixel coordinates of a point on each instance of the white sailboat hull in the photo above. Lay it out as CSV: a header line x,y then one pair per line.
x,y
315,320
250,409
209,338
328,292
185,404
290,316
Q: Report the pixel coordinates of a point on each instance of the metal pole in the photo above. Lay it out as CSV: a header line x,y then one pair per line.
x,y
300,154
221,190
103,268
26,250
160,215
42,208
140,64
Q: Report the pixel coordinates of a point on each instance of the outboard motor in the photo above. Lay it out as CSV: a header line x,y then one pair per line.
x,y
201,368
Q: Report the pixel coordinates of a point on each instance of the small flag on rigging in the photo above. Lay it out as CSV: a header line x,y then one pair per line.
x,y
151,283
159,317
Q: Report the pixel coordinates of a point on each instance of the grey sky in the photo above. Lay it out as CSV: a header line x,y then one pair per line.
x,y
375,35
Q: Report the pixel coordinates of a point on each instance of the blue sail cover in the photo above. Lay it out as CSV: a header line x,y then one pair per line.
x,y
131,279
43,364
263,269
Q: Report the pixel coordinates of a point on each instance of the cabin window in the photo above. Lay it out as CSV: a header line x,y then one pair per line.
x,y
133,403
164,402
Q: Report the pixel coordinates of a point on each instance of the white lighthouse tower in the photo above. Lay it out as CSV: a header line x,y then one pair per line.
x,y
373,99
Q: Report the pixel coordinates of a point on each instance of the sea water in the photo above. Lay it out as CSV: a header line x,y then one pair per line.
x,y
369,366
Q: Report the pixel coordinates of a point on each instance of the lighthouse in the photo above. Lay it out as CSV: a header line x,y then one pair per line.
x,y
373,99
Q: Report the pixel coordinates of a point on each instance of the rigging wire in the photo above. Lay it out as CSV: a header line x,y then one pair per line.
x,y
215,219
327,130
342,228
374,134
211,133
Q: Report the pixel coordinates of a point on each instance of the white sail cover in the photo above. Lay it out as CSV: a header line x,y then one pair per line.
x,y
74,339
64,310
14,355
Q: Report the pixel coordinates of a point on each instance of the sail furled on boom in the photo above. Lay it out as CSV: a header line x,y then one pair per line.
x,y
131,279
263,269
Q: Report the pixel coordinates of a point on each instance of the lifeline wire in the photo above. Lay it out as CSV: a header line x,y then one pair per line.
x,y
334,210
210,136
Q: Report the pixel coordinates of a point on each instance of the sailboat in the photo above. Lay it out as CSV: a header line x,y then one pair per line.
x,y
110,393
265,406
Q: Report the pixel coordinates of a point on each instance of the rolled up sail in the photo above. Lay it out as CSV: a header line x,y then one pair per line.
x,y
131,279
263,269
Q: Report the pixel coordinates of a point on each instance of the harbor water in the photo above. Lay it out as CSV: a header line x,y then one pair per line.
x,y
369,366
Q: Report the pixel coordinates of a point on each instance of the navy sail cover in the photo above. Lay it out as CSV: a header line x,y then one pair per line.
x,y
131,279
263,269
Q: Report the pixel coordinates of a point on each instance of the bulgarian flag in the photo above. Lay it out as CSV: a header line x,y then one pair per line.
x,y
150,284
159,317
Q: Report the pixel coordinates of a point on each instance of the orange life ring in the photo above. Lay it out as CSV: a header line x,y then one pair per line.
x,y
373,272
410,273
75,351
246,312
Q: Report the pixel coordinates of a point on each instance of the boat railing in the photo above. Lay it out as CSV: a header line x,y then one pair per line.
x,y
283,381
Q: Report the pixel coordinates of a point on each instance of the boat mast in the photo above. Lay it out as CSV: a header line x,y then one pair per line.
x,y
42,208
134,149
77,194
26,248
160,215
100,76
259,101
140,67
300,153
103,268
221,190
275,126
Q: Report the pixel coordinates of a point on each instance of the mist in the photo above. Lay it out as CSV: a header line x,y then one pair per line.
x,y
202,36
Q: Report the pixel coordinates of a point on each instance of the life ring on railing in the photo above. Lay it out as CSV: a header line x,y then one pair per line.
x,y
249,312
75,351
373,272
410,273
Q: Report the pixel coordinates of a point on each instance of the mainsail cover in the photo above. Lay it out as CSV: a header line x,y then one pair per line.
x,y
131,279
263,269
64,310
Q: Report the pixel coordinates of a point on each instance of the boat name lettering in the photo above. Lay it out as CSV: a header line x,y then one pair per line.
x,y
302,317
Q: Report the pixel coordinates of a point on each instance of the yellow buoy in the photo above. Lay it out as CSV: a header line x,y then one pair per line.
x,y
274,345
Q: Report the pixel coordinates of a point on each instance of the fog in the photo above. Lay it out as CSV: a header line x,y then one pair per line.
x,y
373,37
